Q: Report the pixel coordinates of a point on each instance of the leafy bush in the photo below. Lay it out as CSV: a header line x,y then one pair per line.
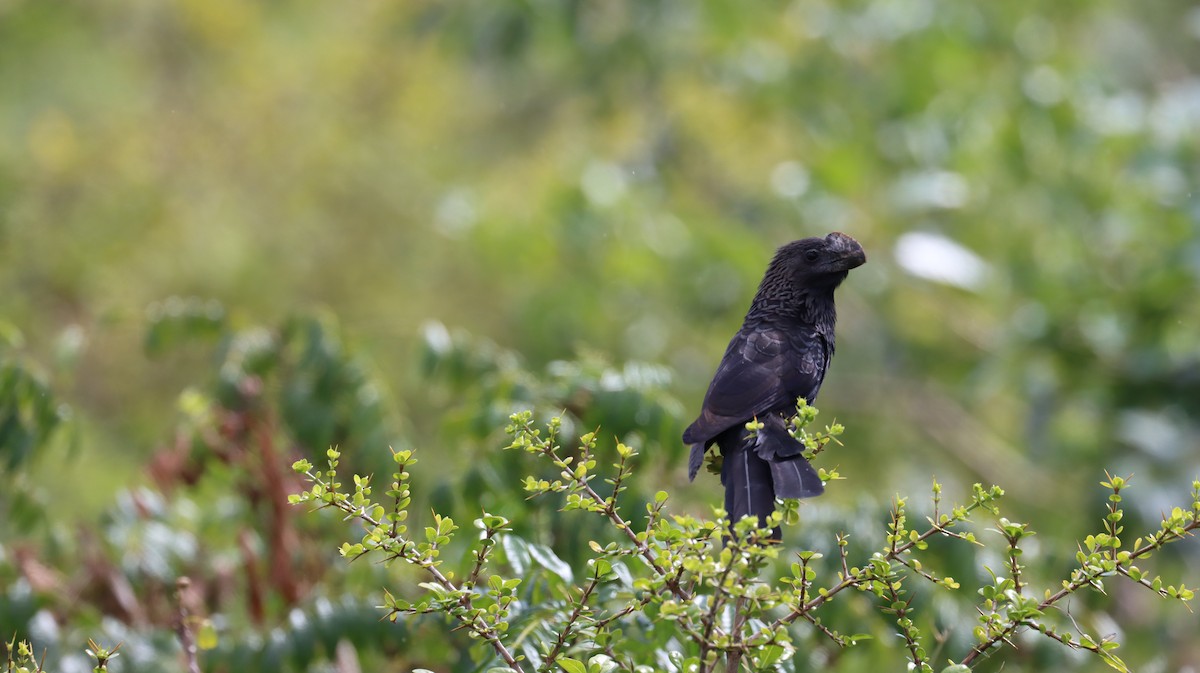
x,y
689,593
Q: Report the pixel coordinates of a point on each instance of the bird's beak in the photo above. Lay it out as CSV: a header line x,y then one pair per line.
x,y
847,249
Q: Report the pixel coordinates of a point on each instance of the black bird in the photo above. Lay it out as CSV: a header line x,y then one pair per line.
x,y
780,354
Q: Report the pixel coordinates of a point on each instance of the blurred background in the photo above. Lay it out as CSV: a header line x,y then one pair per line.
x,y
226,226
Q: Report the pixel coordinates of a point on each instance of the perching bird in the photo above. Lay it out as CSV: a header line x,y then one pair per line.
x,y
780,354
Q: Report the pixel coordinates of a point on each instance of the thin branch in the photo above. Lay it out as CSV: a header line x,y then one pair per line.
x,y
610,511
186,638
569,627
838,640
709,621
1083,578
733,658
476,625
854,579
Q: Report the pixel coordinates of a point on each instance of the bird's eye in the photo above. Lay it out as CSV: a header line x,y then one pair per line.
x,y
811,255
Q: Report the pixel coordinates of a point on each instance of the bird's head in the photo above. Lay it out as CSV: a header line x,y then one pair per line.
x,y
819,262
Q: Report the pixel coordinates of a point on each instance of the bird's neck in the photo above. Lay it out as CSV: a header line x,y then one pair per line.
x,y
783,303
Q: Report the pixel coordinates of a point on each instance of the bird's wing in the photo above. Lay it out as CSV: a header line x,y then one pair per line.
x,y
765,368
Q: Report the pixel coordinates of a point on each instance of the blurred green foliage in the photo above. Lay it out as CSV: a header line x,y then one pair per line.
x,y
582,185
29,411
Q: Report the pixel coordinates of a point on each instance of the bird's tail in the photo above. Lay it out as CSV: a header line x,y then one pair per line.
x,y
762,468
749,487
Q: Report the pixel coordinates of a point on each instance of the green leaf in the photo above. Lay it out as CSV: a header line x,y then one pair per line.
x,y
546,558
206,635
1115,662
600,567
572,665
516,551
770,655
601,663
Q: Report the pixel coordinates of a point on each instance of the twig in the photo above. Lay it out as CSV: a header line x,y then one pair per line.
x,y
854,579
1084,577
565,632
709,621
186,638
476,625
733,658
